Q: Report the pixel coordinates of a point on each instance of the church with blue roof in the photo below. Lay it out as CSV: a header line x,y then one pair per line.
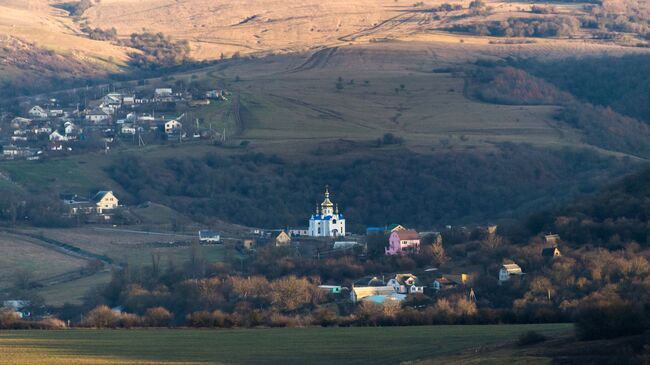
x,y
327,222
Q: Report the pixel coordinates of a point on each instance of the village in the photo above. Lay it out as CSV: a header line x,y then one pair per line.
x,y
326,237
132,117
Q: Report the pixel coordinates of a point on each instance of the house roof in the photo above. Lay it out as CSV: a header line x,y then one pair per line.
x,y
512,268
408,235
97,112
100,195
445,281
208,233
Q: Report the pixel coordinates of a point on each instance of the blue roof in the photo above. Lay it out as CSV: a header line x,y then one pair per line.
x,y
320,217
375,229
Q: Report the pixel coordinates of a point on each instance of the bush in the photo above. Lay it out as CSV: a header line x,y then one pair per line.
x,y
530,338
8,318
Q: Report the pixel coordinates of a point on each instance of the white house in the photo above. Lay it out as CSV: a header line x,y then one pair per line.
x,y
209,236
405,284
37,112
508,270
163,92
327,222
20,122
69,128
113,99
57,137
128,129
97,116
344,245
173,126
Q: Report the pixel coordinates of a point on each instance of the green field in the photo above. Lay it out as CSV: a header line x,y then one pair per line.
x,y
375,345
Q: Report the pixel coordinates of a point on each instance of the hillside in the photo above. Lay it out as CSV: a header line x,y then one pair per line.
x,y
48,40
39,40
611,218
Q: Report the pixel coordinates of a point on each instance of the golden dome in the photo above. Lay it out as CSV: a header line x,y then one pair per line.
x,y
327,203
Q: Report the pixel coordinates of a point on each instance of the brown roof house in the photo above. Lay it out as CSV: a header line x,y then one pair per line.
x,y
403,242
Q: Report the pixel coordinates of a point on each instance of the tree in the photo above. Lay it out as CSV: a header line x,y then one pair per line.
x,y
158,317
100,317
291,293
377,243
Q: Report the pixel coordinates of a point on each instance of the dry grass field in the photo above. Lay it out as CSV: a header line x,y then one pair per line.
x,y
132,248
272,26
23,254
39,38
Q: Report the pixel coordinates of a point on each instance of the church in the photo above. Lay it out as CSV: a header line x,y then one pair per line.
x,y
327,222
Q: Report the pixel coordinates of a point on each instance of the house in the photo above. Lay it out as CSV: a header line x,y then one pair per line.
x,y
97,116
37,112
395,228
77,205
508,270
297,232
172,126
128,100
406,284
69,128
552,239
551,252
11,152
248,244
105,200
57,137
282,239
374,289
403,242
163,92
42,130
112,99
345,245
54,113
332,289
128,129
385,229
209,236
20,122
214,94
450,281
17,306
69,198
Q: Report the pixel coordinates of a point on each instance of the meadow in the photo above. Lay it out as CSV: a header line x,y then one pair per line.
x,y
359,345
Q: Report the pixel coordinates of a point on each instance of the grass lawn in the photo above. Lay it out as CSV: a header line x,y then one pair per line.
x,y
375,345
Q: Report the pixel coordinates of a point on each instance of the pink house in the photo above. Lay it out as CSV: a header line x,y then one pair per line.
x,y
403,242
